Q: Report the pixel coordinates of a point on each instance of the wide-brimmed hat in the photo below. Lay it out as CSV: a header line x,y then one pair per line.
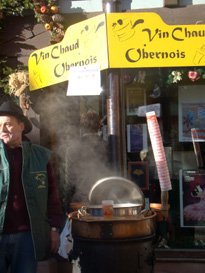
x,y
9,108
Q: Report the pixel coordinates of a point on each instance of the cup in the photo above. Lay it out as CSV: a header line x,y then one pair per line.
x,y
107,208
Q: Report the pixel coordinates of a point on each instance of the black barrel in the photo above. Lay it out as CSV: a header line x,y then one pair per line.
x,y
135,255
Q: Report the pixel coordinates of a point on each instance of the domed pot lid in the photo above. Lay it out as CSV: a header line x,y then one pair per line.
x,y
118,189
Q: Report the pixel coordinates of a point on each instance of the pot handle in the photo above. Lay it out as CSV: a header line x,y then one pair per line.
x,y
79,213
72,214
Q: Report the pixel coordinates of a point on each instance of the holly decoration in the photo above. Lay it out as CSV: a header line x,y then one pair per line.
x,y
48,13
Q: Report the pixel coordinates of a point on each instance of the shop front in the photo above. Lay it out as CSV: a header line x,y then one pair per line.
x,y
145,65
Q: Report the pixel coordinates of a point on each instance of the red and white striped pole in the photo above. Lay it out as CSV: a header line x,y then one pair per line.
x,y
159,156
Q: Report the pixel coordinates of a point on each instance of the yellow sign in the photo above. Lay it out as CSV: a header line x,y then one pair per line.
x,y
84,44
144,40
118,40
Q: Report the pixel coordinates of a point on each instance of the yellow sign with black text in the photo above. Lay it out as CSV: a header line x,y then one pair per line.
x,y
84,44
118,40
144,40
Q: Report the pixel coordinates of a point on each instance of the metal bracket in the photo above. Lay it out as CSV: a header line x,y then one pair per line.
x,y
106,230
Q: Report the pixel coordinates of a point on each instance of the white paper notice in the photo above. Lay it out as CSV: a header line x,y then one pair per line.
x,y
84,81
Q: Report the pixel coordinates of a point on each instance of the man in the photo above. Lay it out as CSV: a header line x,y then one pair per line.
x,y
30,209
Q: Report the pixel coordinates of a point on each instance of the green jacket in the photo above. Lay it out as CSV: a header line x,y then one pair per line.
x,y
35,185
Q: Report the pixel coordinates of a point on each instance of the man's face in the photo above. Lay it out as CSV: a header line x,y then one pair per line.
x,y
11,131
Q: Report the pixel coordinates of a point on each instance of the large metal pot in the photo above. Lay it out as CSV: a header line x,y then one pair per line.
x,y
116,227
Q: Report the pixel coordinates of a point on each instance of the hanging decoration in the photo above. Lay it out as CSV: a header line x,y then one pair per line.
x,y
18,82
48,13
194,75
175,76
186,74
18,86
156,92
140,77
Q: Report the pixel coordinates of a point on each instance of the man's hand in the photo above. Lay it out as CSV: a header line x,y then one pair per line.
x,y
55,240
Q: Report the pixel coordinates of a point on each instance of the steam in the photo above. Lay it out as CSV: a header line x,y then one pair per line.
x,y
79,163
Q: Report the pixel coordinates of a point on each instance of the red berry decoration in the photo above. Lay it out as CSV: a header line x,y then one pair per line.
x,y
43,9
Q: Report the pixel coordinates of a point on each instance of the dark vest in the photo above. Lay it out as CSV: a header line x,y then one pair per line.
x,y
35,184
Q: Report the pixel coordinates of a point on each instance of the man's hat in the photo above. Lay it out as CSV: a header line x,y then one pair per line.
x,y
9,108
